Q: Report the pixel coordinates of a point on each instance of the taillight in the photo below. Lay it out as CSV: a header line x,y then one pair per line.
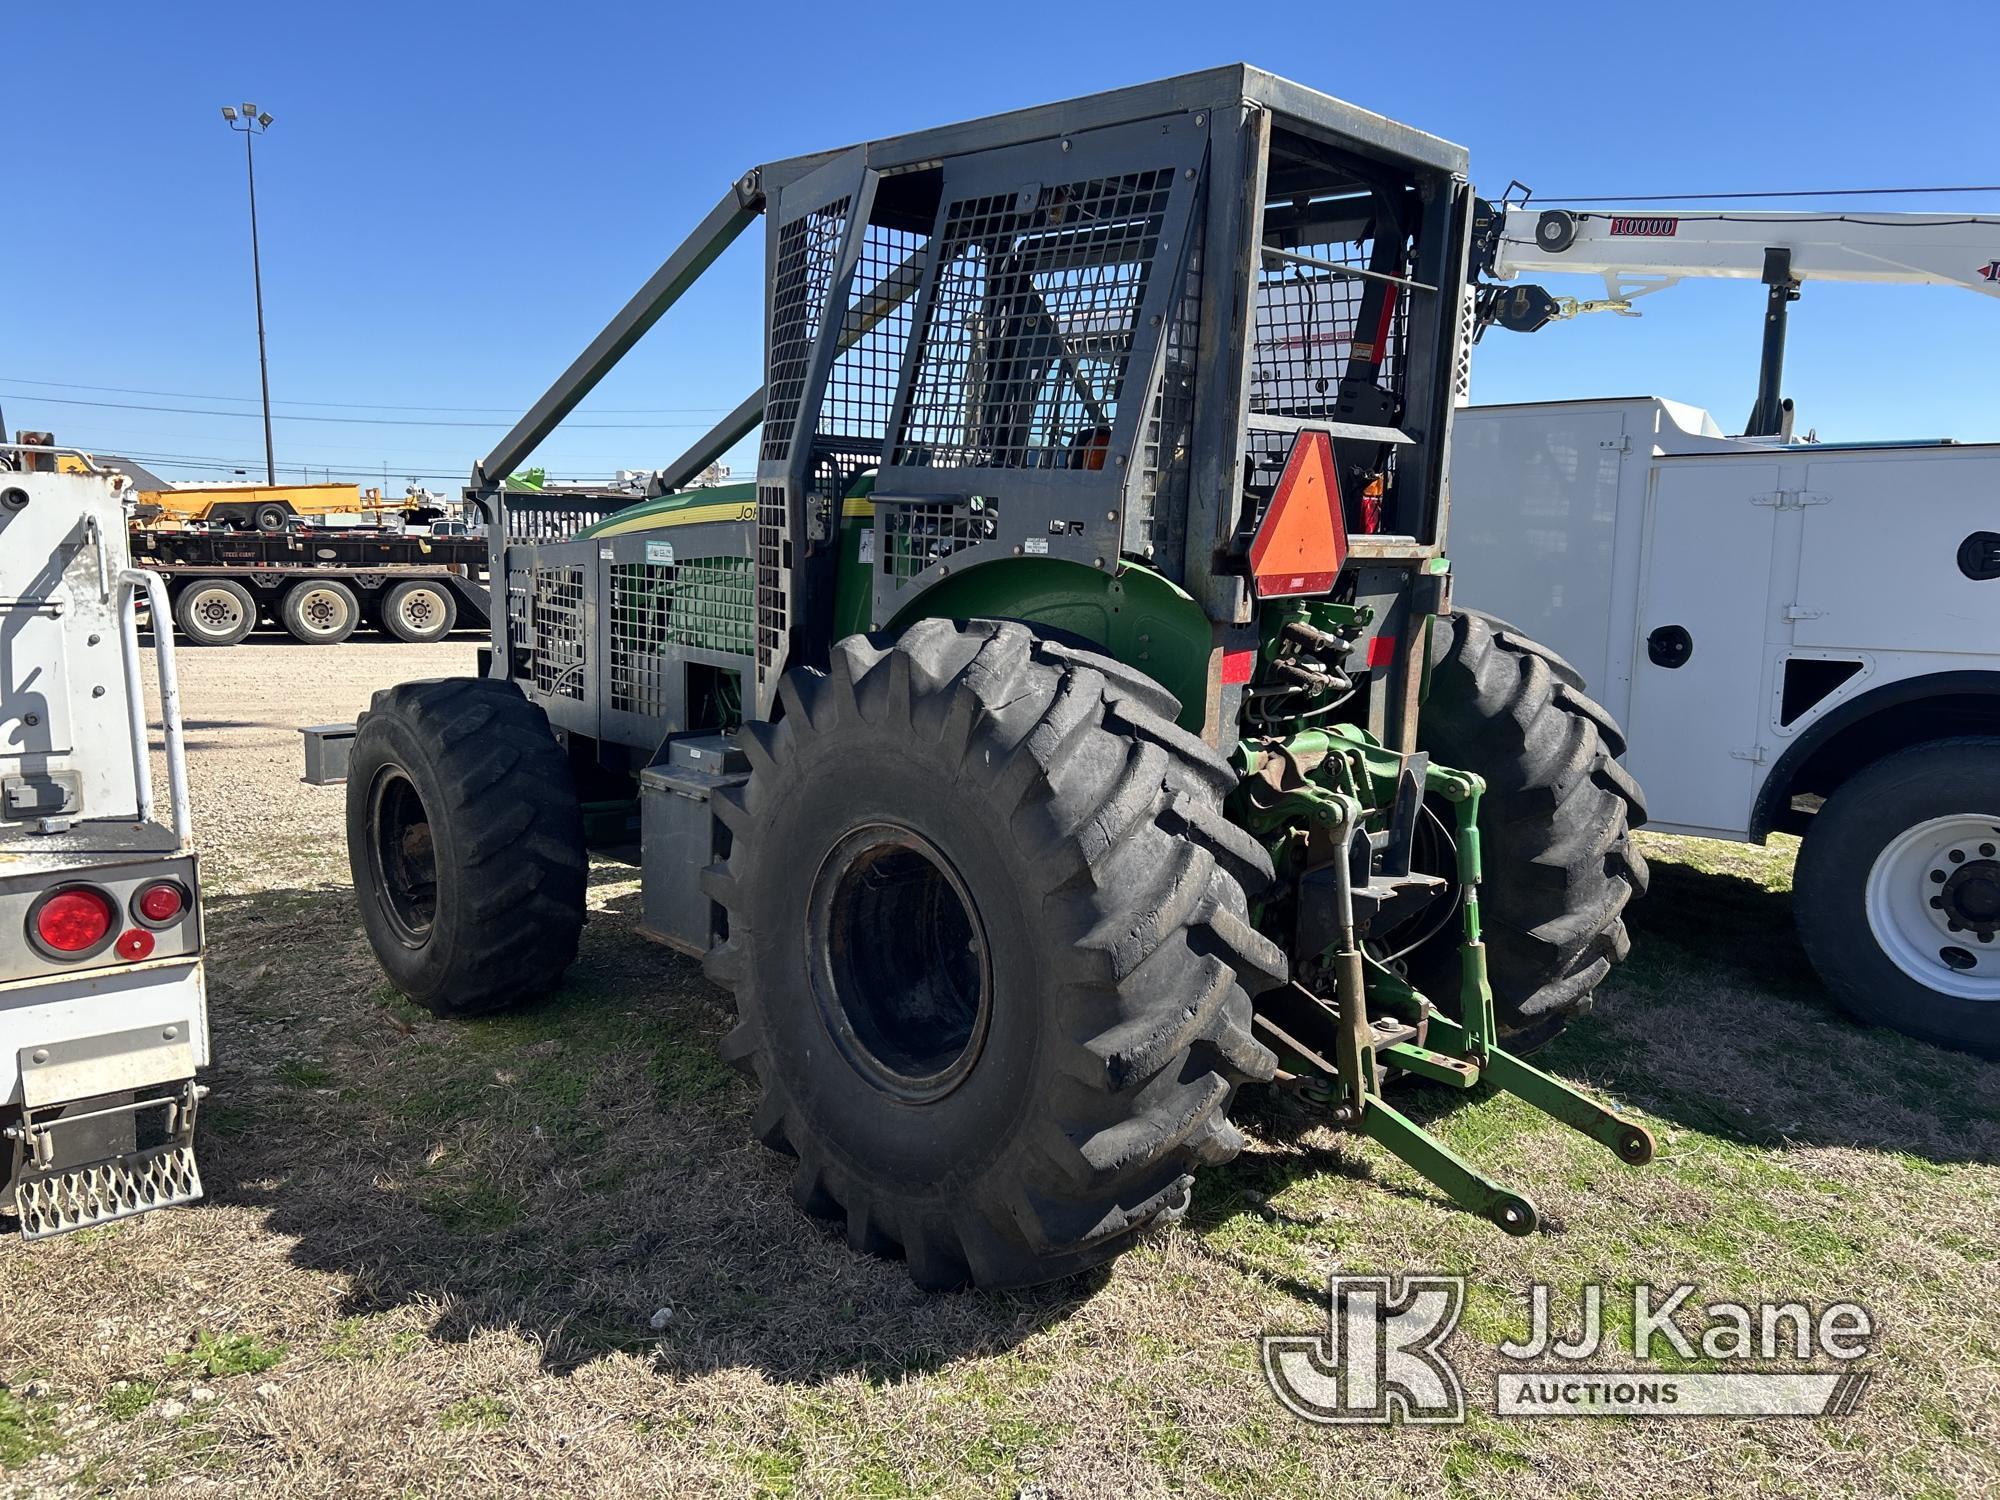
x,y
160,903
72,922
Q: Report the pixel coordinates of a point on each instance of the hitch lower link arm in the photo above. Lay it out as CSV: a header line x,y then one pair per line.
x,y
1467,1049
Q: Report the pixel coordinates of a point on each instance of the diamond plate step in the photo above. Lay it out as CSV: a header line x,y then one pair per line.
x,y
57,1202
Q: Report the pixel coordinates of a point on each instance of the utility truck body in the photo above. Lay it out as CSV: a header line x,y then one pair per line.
x,y
1800,636
103,1011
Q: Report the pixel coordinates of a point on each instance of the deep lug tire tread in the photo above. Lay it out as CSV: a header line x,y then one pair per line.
x,y
504,811
1556,823
1115,813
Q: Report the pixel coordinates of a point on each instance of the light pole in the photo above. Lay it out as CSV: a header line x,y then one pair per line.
x,y
249,124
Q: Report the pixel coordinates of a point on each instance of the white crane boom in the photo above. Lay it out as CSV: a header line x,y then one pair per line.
x,y
1637,253
1640,252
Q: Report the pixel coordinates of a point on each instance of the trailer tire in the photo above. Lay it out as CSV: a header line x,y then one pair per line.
x,y
465,839
1902,849
1555,825
320,611
270,519
215,611
1029,1078
419,610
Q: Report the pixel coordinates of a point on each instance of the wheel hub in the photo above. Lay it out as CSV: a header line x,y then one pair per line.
x,y
1933,904
899,961
216,610
1970,897
404,856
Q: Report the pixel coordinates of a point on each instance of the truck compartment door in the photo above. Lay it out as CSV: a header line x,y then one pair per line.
x,y
1698,660
1880,566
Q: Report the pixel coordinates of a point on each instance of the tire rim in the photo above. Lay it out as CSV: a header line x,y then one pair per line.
x,y
421,609
401,856
899,962
1933,903
215,612
322,611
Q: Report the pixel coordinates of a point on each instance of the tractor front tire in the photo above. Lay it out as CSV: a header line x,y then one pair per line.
x,y
989,937
465,838
1555,825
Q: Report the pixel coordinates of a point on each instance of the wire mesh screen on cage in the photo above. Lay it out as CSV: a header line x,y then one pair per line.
x,y
1031,324
555,627
1306,334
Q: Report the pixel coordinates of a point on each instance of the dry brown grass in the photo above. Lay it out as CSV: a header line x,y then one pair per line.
x,y
449,1240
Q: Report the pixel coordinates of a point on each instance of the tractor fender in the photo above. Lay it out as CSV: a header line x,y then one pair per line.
x,y
1134,616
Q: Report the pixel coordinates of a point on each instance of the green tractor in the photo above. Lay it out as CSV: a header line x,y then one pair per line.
x,y
1070,724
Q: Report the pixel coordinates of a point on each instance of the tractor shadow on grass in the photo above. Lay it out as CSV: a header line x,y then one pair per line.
x,y
569,1170
565,1171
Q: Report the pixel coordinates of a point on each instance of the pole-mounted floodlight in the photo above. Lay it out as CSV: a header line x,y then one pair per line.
x,y
250,124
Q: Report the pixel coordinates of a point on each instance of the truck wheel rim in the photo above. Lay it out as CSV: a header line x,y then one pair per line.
x,y
421,610
322,611
1933,903
402,856
899,962
216,612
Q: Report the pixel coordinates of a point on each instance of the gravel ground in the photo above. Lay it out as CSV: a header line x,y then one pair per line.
x,y
257,825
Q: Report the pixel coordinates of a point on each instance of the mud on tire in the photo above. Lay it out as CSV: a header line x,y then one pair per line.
x,y
1019,1104
465,839
1555,823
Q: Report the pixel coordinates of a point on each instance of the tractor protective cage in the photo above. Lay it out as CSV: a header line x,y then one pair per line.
x,y
1088,331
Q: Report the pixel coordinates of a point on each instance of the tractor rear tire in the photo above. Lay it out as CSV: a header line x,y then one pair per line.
x,y
465,838
1022,1000
1555,825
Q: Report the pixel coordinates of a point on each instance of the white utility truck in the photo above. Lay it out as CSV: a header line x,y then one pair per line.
x,y
103,1015
1798,636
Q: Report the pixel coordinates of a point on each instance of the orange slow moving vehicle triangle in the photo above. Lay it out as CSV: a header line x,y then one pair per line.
x,y
1302,541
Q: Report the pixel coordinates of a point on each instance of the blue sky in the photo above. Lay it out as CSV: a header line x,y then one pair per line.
x,y
455,197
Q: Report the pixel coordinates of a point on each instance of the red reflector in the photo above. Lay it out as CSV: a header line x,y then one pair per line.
x,y
1302,541
162,902
1381,651
135,943
1237,666
73,921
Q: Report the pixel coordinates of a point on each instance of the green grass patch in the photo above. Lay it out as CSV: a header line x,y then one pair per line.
x,y
220,1357
27,1429
303,1073
474,1207
474,1414
124,1402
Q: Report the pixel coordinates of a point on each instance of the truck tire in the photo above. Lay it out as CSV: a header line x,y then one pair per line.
x,y
215,612
1555,825
465,839
1897,893
320,611
419,610
1022,1004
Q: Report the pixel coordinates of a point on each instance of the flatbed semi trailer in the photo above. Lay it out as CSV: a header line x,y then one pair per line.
x,y
319,584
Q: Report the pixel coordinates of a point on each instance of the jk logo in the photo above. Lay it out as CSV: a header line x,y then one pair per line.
x,y
1379,1359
